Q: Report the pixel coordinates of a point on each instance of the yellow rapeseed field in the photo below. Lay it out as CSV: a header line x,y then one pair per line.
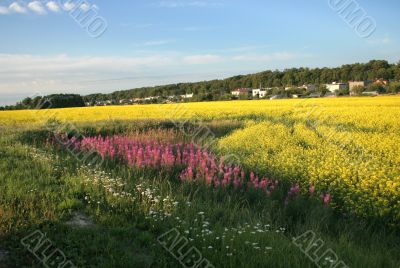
x,y
366,112
348,146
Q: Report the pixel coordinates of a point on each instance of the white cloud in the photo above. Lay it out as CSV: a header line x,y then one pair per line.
x,y
202,59
4,10
23,74
27,73
17,8
37,7
23,65
53,6
40,65
60,73
68,6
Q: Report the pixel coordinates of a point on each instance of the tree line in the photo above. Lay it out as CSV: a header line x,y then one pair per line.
x,y
48,102
221,89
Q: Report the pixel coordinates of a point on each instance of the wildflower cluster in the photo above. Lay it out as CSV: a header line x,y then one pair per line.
x,y
196,164
231,241
40,155
193,163
143,196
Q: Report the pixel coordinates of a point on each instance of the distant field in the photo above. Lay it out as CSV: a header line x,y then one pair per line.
x,y
331,166
364,111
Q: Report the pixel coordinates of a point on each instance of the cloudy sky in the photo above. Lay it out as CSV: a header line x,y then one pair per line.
x,y
101,46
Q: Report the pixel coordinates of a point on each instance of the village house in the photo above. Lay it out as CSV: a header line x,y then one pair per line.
x,y
150,98
353,84
103,103
381,81
336,86
260,93
307,87
187,96
240,91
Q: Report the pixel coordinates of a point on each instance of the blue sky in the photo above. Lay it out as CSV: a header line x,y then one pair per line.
x,y
46,48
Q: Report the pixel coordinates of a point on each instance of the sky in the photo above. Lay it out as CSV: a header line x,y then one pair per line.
x,y
99,46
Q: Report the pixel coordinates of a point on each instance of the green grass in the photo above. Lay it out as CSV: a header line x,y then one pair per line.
x,y
42,187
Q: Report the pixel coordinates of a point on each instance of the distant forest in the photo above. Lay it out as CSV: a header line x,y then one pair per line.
x,y
220,89
48,102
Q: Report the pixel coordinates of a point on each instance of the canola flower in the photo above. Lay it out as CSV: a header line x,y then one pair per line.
x,y
381,112
358,168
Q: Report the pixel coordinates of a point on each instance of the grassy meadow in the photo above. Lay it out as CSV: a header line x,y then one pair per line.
x,y
241,182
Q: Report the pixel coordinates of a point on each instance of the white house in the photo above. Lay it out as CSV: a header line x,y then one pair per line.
x,y
187,96
150,98
240,91
259,93
308,87
336,86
